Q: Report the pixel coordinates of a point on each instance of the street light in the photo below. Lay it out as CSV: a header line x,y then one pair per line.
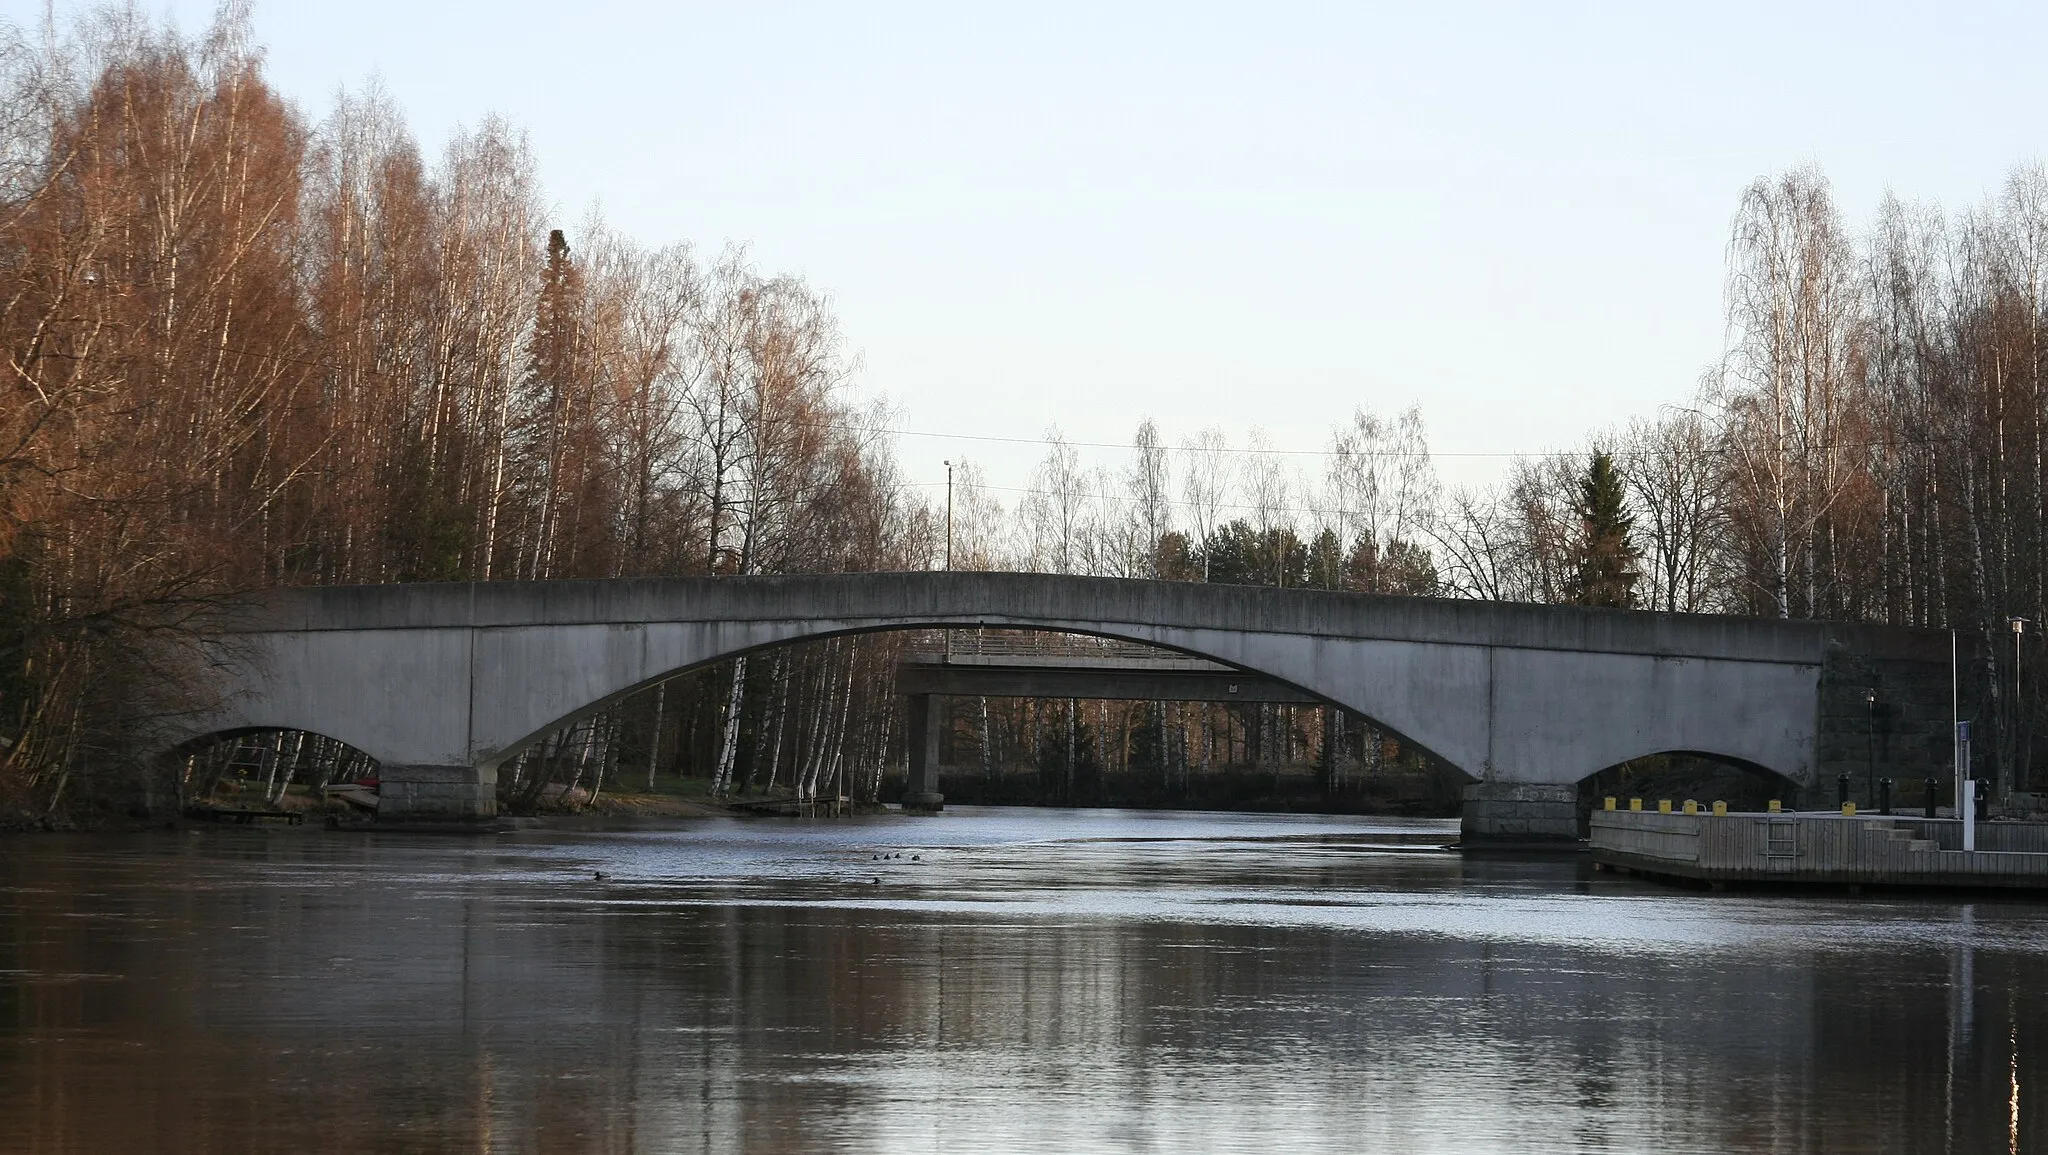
x,y
949,543
1955,717
1870,745
2019,626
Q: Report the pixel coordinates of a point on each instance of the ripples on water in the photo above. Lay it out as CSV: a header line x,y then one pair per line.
x,y
986,980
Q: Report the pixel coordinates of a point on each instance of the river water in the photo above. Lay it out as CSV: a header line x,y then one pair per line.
x,y
989,980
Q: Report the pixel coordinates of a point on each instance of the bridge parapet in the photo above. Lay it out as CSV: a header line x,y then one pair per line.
x,y
1104,606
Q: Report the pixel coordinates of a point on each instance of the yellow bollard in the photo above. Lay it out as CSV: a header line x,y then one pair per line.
x,y
1635,804
1849,809
1720,808
1775,806
1691,807
1610,802
1663,805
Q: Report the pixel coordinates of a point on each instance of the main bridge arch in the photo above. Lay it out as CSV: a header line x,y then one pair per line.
x,y
442,682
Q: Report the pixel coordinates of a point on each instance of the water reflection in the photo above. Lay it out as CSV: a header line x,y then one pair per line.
x,y
978,983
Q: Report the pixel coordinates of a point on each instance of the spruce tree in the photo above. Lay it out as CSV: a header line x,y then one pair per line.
x,y
1326,562
1606,573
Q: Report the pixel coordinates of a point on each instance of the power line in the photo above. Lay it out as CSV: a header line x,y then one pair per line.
x,y
1247,450
1395,453
849,427
1221,505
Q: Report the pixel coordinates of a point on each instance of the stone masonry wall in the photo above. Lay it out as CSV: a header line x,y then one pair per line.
x,y
1907,736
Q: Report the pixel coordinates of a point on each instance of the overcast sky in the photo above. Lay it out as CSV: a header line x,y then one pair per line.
x,y
1259,214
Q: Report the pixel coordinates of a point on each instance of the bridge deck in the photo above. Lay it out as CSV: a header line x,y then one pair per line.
x,y
1040,664
1045,648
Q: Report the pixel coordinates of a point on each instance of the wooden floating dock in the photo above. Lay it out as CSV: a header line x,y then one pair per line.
x,y
1823,848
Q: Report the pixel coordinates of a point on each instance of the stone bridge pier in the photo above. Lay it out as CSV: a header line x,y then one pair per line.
x,y
1520,812
442,683
437,793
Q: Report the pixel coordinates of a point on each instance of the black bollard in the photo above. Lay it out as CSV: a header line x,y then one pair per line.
x,y
1884,797
1931,785
1842,791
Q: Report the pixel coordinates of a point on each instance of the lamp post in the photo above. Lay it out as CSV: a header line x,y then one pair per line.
x,y
2019,626
1955,717
949,542
1870,745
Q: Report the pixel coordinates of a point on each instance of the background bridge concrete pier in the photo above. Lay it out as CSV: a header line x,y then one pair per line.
x,y
921,781
442,683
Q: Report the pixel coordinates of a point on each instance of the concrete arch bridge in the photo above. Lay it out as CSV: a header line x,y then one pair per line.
x,y
442,683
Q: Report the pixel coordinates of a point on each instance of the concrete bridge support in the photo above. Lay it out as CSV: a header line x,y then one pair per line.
x,y
1510,812
437,794
927,718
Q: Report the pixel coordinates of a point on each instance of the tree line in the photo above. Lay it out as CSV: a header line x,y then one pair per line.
x,y
247,347
1868,448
